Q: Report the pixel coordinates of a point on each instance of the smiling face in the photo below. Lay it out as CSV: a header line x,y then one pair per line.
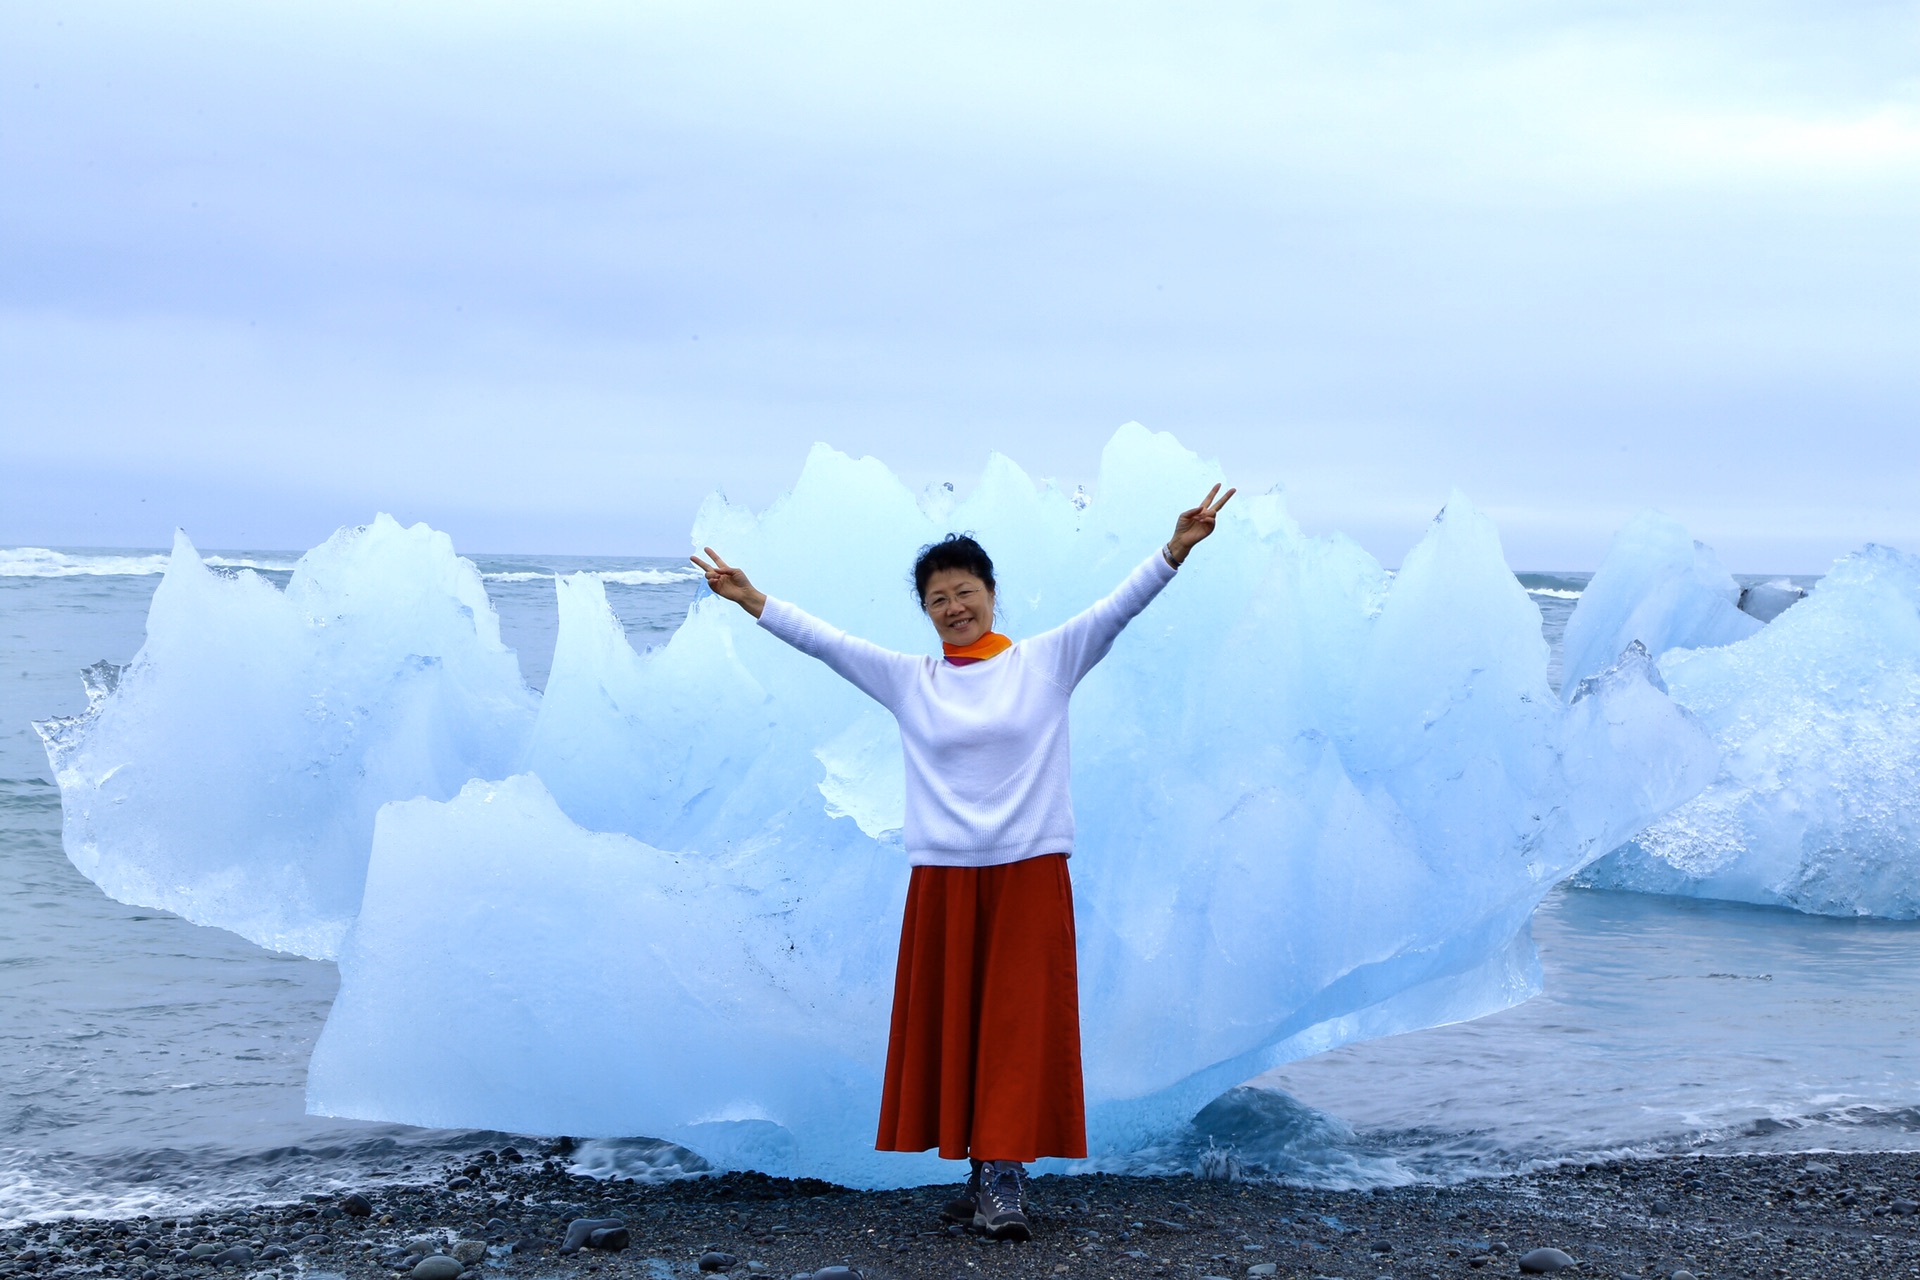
x,y
959,605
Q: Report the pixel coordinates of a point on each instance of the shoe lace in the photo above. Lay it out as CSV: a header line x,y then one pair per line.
x,y
1001,1184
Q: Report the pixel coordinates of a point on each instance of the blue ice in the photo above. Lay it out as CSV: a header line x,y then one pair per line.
x,y
1816,805
1317,802
233,772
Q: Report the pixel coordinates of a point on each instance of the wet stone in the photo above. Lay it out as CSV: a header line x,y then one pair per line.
x,y
356,1205
1540,1262
437,1267
717,1260
581,1230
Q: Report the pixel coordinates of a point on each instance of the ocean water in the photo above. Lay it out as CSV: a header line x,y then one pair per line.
x,y
151,1065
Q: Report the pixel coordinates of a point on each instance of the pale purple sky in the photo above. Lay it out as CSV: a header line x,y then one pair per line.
x,y
544,275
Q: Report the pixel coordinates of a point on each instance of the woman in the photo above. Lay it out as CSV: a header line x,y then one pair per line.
x,y
983,1060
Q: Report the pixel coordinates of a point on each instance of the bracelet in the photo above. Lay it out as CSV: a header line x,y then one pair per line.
x,y
1167,551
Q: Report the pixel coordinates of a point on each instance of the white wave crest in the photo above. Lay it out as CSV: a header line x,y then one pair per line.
x,y
648,577
625,577
39,562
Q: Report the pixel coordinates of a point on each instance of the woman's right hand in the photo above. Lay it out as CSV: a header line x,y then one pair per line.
x,y
730,583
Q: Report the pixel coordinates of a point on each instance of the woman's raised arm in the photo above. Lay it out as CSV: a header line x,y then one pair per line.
x,y
1072,648
730,583
879,673
1194,524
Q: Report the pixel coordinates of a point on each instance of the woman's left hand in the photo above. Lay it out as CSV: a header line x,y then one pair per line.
x,y
1194,524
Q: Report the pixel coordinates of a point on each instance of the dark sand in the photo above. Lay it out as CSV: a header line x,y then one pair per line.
x,y
1748,1216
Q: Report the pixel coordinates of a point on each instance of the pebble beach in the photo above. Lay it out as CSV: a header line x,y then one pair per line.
x,y
507,1214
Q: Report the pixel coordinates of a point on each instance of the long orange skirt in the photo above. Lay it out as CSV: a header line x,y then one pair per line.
x,y
984,1056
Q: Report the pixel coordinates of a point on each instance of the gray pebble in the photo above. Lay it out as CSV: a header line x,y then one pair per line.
x,y
1540,1262
1683,1274
609,1238
460,1183
356,1205
203,1251
437,1267
239,1255
581,1230
1262,1269
468,1252
273,1253
715,1260
1904,1207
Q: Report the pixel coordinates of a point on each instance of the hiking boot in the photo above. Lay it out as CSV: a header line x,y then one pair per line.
x,y
1002,1205
962,1209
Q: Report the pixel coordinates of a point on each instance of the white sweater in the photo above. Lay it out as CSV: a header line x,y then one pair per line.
x,y
985,743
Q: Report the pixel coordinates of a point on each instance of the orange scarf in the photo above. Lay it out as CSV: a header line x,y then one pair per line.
x,y
987,646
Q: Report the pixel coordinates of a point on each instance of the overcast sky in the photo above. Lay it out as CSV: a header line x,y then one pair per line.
x,y
545,274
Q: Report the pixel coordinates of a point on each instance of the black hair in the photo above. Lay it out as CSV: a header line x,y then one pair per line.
x,y
955,551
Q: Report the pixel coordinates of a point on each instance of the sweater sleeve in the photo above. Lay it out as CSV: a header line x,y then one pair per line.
x,y
1073,648
881,674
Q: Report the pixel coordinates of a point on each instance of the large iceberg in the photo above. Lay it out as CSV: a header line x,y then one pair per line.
x,y
1656,586
231,772
1817,803
1317,802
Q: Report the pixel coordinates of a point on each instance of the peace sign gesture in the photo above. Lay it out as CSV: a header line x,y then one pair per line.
x,y
730,583
1194,524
